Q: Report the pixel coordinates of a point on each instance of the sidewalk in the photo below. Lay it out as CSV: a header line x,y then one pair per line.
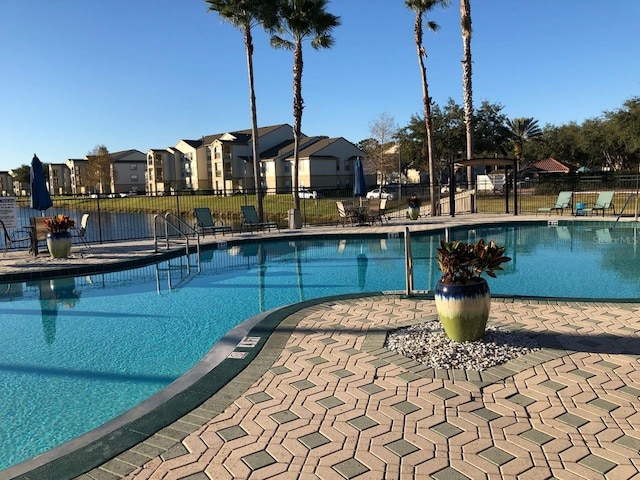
x,y
324,400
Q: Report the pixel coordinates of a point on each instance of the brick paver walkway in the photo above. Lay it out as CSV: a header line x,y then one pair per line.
x,y
326,400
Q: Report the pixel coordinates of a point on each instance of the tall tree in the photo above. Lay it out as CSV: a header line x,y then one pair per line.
x,y
244,15
22,174
421,7
523,130
301,20
99,171
383,131
467,90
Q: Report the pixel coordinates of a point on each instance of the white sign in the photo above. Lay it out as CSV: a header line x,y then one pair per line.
x,y
8,212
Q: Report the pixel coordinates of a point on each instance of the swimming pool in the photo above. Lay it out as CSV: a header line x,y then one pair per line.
x,y
77,352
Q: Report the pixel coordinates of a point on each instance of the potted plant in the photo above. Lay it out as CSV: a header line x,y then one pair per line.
x,y
413,204
462,296
58,237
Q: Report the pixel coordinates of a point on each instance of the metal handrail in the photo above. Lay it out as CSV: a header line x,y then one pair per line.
x,y
626,203
408,261
179,226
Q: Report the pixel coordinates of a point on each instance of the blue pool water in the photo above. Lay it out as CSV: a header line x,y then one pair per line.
x,y
75,353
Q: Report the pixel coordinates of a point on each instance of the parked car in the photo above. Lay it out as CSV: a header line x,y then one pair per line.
x,y
307,193
380,193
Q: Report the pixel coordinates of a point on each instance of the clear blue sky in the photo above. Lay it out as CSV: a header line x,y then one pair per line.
x,y
144,74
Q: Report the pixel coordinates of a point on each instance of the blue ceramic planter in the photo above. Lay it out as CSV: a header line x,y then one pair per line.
x,y
463,310
59,244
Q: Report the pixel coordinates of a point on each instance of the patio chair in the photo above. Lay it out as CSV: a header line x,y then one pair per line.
x,y
205,222
373,212
17,236
383,210
251,221
346,213
604,202
38,232
80,232
565,200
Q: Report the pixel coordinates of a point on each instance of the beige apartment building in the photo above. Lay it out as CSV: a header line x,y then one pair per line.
x,y
223,162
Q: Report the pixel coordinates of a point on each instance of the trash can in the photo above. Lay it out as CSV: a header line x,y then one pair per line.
x,y
295,221
580,208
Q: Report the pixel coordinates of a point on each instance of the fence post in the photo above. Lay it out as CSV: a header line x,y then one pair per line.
x,y
99,219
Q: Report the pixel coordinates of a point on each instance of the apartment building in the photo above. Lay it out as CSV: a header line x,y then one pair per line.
x,y
6,184
59,179
223,162
126,174
323,163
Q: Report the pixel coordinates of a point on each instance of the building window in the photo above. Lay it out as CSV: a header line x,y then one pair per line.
x,y
133,166
337,165
134,178
347,165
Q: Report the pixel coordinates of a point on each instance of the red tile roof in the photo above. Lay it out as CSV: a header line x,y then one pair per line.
x,y
551,165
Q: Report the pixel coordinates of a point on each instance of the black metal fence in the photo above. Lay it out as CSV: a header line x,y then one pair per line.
x,y
119,218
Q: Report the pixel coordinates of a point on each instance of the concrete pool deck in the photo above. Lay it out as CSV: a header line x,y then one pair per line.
x,y
317,395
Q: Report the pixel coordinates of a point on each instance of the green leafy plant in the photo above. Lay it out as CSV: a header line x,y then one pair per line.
x,y
461,262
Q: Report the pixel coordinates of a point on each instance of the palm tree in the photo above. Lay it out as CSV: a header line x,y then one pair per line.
x,y
421,7
467,91
245,14
522,130
301,20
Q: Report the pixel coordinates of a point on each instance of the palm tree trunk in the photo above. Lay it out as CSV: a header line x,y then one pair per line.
x,y
426,100
257,177
297,118
467,91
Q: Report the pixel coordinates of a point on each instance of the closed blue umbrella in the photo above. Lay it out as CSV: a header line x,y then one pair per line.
x,y
360,186
40,198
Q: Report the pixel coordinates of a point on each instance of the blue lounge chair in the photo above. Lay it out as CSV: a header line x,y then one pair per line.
x,y
564,201
205,223
251,221
604,202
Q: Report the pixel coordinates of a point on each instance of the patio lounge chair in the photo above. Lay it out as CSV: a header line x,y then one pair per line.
x,y
205,222
17,236
604,202
251,221
346,213
564,201
80,232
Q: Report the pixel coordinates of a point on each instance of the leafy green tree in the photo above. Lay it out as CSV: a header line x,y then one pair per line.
x,y
562,143
623,126
522,131
244,15
412,138
301,20
490,136
420,8
449,131
99,171
22,174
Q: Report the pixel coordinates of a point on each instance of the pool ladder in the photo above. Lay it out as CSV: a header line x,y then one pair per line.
x,y
174,228
179,232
